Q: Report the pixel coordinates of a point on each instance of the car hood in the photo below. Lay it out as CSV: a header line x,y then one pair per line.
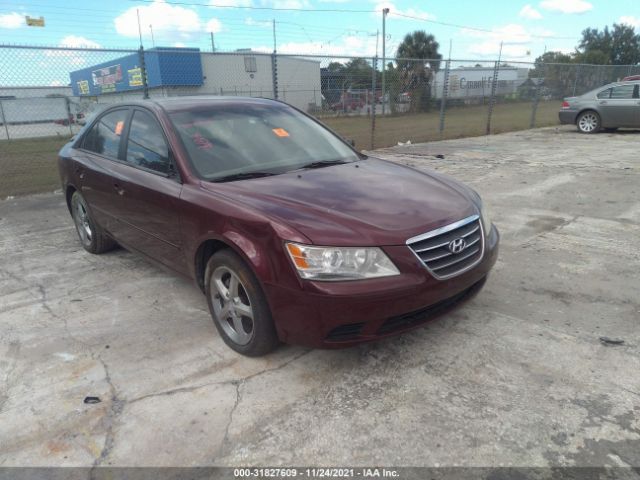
x,y
365,203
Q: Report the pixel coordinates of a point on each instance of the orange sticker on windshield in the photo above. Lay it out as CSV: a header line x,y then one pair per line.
x,y
119,127
281,132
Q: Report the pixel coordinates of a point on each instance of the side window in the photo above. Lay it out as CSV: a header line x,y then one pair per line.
x,y
605,93
146,146
104,136
622,92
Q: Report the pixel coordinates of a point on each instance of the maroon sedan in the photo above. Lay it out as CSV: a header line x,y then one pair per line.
x,y
292,234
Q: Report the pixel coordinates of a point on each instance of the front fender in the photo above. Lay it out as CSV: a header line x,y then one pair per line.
x,y
252,253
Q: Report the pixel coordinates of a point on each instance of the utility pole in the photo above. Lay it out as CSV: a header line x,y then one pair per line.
x,y
141,59
385,12
274,35
274,64
213,45
139,29
153,40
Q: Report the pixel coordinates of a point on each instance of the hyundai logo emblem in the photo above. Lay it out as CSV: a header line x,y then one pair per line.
x,y
457,245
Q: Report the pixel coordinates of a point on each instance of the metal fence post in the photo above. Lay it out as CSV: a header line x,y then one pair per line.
x,y
492,99
536,101
445,92
274,73
143,73
69,117
575,82
373,101
4,121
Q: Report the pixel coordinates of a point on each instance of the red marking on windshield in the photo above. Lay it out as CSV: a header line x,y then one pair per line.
x,y
202,142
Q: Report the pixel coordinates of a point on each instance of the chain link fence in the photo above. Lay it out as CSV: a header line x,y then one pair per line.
x,y
48,93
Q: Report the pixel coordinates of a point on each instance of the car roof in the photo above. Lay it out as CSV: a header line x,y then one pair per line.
x,y
172,104
617,84
624,82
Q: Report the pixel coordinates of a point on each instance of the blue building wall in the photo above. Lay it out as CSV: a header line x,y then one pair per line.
x,y
165,67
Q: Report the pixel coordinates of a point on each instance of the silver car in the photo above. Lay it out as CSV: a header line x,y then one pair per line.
x,y
610,107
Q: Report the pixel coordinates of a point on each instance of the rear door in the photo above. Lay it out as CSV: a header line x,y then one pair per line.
x,y
620,108
149,192
100,148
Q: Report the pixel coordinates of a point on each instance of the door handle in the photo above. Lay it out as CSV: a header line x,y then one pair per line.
x,y
118,189
603,102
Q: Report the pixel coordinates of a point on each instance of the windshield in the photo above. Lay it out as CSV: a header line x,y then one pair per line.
x,y
230,140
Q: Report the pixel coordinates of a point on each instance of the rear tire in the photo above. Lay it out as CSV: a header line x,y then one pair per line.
x,y
238,306
588,122
92,237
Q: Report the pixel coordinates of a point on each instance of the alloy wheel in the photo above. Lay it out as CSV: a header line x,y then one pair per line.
x,y
82,220
231,305
588,122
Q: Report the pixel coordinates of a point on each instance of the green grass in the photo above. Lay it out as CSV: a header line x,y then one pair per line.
x,y
29,165
467,121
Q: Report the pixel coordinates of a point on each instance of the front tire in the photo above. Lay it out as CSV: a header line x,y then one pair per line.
x,y
238,306
91,236
588,122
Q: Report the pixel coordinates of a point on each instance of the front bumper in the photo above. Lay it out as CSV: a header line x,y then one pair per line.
x,y
338,314
567,117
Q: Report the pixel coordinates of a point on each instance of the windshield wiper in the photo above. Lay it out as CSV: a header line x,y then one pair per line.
x,y
242,176
323,163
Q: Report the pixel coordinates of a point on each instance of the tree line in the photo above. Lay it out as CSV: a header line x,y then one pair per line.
x,y
417,60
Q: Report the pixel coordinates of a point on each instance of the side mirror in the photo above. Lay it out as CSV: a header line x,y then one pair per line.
x,y
172,171
352,142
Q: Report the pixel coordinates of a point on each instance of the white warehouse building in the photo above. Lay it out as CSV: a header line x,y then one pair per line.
x,y
187,71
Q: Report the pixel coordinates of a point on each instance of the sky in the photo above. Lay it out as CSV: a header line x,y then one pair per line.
x,y
475,28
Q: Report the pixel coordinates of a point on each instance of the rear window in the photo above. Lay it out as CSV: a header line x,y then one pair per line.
x,y
242,138
104,137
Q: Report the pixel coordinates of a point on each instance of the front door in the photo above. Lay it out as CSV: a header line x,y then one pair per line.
x,y
149,193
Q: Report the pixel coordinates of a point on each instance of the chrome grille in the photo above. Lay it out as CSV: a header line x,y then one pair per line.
x,y
433,248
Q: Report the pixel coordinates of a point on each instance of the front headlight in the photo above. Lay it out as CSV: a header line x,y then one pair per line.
x,y
485,215
340,263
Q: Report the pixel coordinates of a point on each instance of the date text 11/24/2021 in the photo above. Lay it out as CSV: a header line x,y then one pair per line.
x,y
315,473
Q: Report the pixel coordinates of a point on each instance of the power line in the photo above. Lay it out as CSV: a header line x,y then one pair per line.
x,y
253,7
310,9
478,29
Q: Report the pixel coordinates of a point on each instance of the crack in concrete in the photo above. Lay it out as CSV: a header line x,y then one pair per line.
x,y
14,352
225,439
241,383
192,388
173,391
44,302
117,406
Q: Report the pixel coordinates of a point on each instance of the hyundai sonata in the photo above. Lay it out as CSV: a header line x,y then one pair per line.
x,y
292,234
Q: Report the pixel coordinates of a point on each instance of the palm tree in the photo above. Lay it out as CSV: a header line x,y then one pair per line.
x,y
418,59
